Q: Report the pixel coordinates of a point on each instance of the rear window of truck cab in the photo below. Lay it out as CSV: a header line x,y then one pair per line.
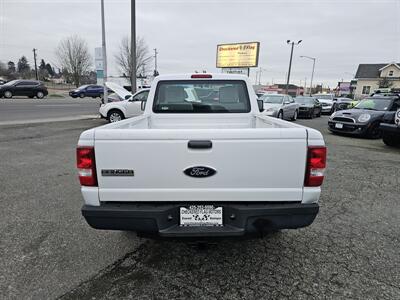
x,y
201,96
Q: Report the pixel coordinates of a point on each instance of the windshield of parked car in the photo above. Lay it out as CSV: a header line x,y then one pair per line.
x,y
201,96
12,82
274,99
323,96
304,100
374,104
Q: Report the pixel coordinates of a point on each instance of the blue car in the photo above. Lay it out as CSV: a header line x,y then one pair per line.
x,y
89,90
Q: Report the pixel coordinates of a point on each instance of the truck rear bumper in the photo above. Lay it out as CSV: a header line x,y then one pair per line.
x,y
163,219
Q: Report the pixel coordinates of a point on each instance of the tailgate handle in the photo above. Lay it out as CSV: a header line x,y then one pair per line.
x,y
200,144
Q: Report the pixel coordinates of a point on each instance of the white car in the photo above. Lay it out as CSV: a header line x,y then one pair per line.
x,y
131,106
280,106
326,101
201,161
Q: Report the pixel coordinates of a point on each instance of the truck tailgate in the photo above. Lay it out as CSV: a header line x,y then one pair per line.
x,y
251,164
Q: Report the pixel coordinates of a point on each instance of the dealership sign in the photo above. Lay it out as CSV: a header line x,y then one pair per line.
x,y
241,55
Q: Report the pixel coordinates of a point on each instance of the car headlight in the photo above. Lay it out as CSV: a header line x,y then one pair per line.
x,y
364,118
332,115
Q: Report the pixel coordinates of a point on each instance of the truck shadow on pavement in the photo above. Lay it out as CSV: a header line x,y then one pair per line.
x,y
279,265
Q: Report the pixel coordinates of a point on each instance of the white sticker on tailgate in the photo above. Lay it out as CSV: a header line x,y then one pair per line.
x,y
201,215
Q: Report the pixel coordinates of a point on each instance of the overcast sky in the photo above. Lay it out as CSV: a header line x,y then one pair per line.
x,y
340,34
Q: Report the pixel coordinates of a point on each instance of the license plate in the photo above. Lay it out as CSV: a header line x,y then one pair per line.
x,y
201,215
338,125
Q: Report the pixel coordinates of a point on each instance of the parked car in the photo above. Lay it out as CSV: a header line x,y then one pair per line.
x,y
88,90
390,128
343,103
365,118
194,168
280,106
308,106
130,106
28,88
326,101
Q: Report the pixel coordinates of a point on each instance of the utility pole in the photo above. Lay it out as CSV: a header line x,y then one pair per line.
x,y
155,63
133,46
290,62
34,57
103,45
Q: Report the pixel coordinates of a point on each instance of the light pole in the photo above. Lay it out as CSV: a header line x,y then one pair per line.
x,y
133,46
290,62
313,67
103,45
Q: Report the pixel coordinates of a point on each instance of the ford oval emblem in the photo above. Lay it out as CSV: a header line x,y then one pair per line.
x,y
199,171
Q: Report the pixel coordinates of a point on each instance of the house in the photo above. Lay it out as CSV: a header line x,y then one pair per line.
x,y
373,76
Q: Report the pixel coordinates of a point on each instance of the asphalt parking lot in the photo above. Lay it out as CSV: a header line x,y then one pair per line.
x,y
48,251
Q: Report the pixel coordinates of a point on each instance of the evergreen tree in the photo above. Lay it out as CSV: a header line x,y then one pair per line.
x,y
11,66
23,65
42,65
49,69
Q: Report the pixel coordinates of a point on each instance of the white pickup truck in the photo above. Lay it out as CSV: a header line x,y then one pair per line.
x,y
199,165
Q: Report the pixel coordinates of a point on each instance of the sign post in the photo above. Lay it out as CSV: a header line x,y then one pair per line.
x,y
99,63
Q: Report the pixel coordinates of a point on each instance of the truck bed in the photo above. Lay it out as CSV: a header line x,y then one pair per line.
x,y
271,153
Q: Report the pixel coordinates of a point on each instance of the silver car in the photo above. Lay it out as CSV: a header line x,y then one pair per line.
x,y
280,106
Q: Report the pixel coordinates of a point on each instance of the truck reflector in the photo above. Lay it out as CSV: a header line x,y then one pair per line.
x,y
86,165
316,163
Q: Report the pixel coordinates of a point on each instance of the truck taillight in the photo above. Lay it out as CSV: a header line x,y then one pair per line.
x,y
316,163
86,166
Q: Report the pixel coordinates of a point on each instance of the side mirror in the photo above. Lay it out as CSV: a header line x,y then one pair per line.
x,y
143,105
127,97
260,105
286,102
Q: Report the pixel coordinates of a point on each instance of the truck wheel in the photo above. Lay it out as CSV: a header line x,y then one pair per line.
x,y
391,139
115,116
7,94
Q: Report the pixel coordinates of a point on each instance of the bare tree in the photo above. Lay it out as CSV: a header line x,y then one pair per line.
x,y
123,57
73,56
